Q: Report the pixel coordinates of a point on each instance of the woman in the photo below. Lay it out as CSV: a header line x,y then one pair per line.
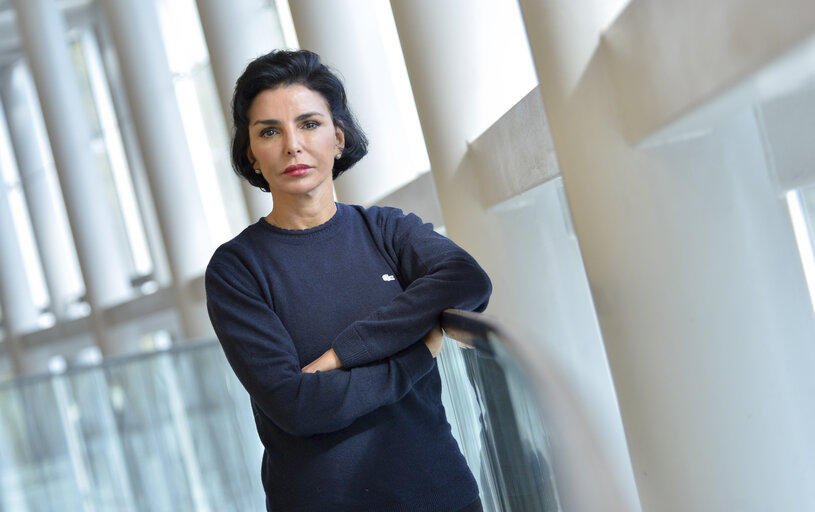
x,y
328,312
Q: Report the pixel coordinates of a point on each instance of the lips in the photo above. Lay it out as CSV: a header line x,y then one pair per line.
x,y
296,170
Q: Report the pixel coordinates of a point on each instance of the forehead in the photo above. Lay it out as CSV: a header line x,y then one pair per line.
x,y
285,101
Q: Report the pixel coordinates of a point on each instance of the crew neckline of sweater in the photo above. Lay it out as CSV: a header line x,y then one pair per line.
x,y
322,230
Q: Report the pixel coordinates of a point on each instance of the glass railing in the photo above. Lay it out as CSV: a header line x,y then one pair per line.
x,y
518,425
171,430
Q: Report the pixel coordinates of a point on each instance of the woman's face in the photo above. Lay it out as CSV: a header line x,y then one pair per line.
x,y
293,140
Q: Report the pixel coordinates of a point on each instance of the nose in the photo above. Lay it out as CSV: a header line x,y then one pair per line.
x,y
293,143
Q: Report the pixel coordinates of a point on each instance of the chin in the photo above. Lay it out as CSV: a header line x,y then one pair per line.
x,y
306,187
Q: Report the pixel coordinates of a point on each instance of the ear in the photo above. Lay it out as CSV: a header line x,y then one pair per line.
x,y
339,138
250,155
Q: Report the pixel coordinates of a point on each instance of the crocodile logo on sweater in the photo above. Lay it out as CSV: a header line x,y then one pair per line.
x,y
388,277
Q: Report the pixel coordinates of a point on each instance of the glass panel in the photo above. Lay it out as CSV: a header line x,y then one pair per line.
x,y
150,441
13,444
170,430
801,204
499,427
216,403
100,442
39,475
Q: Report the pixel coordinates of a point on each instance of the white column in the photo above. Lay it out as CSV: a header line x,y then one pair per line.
x,y
101,259
35,164
458,76
19,311
357,38
147,79
230,51
16,300
698,286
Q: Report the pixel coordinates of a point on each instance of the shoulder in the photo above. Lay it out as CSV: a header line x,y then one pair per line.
x,y
387,218
236,255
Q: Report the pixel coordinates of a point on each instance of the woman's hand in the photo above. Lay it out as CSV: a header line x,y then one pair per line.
x,y
434,340
326,362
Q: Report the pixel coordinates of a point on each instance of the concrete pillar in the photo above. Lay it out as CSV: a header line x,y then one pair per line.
x,y
19,310
101,259
147,79
230,51
459,80
35,164
342,32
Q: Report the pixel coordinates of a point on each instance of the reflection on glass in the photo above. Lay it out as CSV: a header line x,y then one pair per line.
x,y
170,430
497,424
801,204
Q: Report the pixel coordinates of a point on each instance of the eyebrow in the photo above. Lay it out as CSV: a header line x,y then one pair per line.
x,y
301,117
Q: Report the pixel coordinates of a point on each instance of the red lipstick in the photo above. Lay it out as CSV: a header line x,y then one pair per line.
x,y
296,170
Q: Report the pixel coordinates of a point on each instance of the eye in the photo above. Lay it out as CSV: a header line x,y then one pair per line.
x,y
268,132
310,125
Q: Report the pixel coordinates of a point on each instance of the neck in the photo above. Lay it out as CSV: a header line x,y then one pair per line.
x,y
298,212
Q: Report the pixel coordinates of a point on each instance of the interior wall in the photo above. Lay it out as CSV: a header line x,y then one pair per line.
x,y
697,284
723,316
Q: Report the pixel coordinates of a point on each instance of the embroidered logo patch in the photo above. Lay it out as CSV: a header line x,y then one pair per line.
x,y
388,277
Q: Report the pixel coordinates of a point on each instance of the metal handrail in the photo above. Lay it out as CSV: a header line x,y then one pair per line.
x,y
584,477
109,362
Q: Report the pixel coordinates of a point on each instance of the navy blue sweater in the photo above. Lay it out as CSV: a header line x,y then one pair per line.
x,y
370,283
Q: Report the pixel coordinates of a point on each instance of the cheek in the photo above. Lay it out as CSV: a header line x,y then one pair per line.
x,y
252,151
329,143
261,151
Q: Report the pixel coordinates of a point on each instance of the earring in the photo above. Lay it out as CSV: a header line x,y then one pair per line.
x,y
339,155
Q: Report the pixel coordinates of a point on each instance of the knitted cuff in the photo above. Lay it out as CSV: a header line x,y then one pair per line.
x,y
351,349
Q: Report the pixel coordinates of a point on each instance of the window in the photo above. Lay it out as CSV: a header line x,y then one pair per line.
x,y
202,117
11,187
108,149
801,203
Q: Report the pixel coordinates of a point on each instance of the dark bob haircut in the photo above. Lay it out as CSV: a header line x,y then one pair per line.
x,y
283,68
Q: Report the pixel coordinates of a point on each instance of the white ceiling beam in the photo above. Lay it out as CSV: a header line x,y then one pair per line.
x,y
678,65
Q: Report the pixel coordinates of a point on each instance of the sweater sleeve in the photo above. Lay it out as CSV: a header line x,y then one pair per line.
x,y
263,356
435,274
